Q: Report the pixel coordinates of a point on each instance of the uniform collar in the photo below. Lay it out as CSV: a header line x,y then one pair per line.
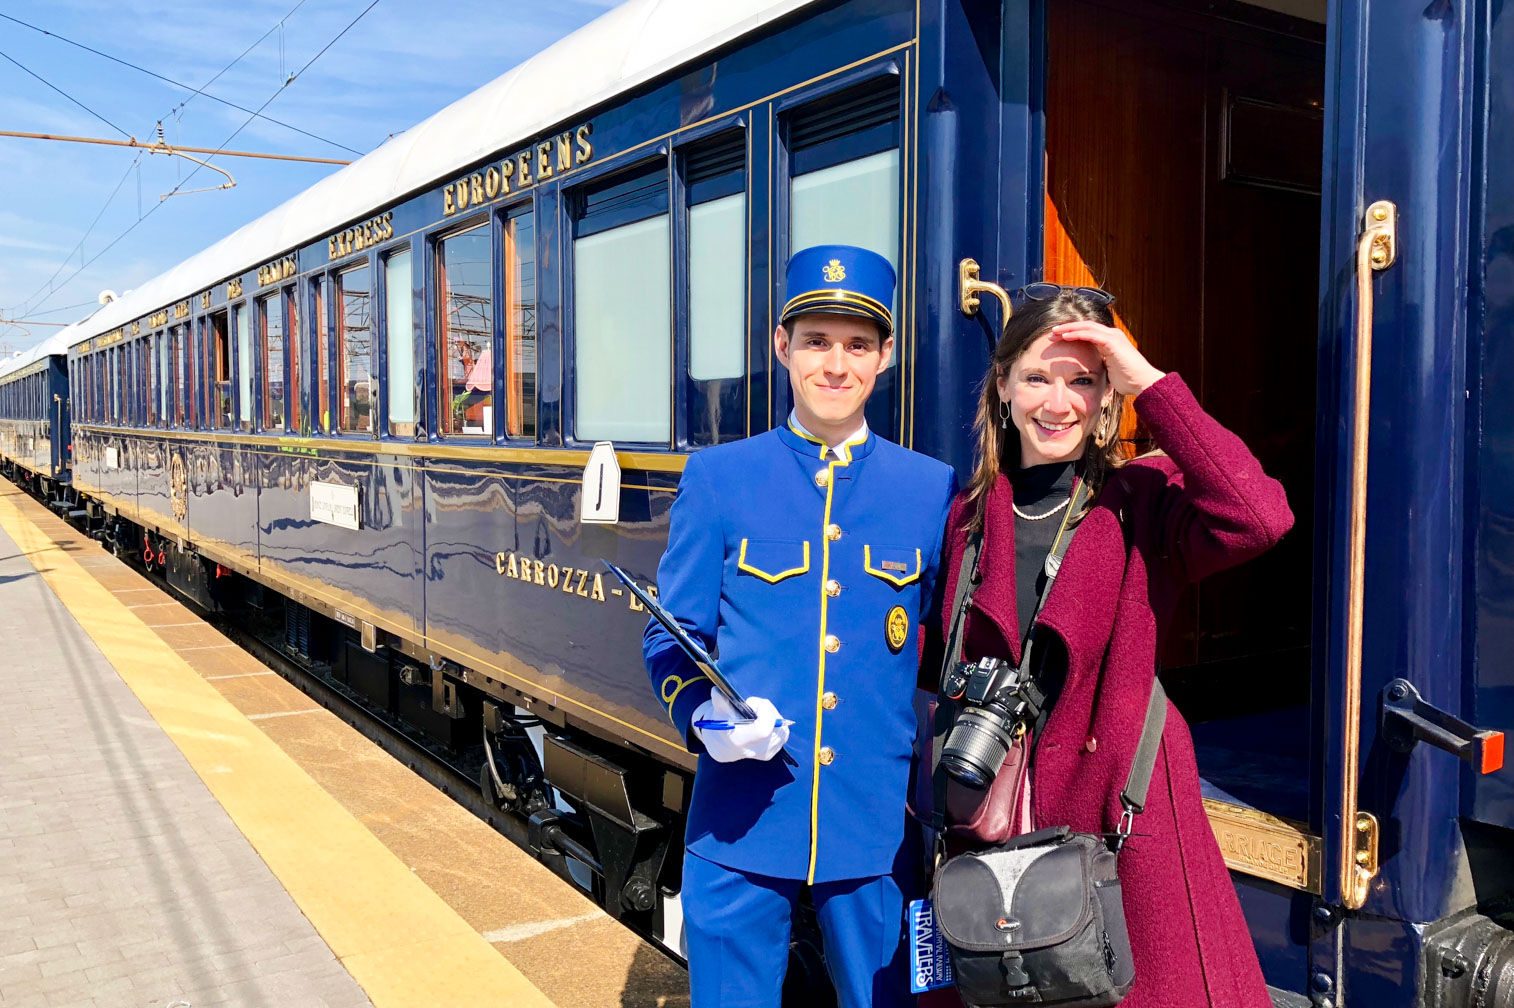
x,y
858,445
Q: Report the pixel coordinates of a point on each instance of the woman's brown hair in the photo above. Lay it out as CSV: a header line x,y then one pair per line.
x,y
999,449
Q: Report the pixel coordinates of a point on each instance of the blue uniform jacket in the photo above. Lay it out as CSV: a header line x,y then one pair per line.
x,y
809,579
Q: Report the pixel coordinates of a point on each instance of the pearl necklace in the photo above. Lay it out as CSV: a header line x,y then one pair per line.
x,y
1038,517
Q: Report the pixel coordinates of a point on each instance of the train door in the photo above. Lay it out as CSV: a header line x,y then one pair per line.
x,y
1182,152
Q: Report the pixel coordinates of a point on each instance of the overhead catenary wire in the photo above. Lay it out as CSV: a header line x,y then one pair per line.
x,y
153,209
64,93
194,91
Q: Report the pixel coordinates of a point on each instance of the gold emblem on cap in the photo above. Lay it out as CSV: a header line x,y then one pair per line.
x,y
896,628
834,271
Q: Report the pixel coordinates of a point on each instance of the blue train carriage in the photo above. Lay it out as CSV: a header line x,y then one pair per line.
x,y
374,409
34,416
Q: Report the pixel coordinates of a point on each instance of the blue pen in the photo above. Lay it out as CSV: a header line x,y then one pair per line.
x,y
727,725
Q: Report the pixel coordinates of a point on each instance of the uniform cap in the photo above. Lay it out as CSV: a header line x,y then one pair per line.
x,y
840,280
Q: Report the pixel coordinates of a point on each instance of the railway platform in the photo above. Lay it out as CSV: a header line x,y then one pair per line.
x,y
181,827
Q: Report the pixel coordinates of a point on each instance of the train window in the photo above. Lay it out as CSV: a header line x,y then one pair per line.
x,y
271,324
243,325
715,183
622,312
149,371
320,406
181,377
165,380
520,323
465,332
399,336
115,385
354,340
296,346
220,364
844,174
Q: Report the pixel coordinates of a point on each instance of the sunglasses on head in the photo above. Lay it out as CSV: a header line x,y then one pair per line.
x,y
1049,291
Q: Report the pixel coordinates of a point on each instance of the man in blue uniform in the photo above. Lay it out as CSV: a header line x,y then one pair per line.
x,y
806,557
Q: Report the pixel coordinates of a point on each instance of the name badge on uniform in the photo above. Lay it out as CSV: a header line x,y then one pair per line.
x,y
895,565
930,964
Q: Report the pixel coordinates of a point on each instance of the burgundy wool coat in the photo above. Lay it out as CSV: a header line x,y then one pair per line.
x,y
1158,524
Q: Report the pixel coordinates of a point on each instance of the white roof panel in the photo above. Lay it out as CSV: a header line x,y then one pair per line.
x,y
620,50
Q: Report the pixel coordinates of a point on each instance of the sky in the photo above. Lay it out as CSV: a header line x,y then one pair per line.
x,y
62,205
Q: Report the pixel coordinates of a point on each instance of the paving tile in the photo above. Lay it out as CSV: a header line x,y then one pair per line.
x,y
130,874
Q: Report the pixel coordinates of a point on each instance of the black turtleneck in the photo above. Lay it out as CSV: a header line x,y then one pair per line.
x,y
1038,489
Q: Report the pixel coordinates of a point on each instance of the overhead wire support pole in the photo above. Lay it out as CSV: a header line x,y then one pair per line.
x,y
163,148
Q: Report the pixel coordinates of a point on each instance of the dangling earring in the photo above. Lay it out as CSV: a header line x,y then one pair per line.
x,y
1101,436
1003,414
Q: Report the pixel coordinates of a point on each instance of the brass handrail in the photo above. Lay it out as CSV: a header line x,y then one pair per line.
x,y
969,287
1375,250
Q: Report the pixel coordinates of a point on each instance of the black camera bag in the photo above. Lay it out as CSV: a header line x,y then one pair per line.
x,y
1038,919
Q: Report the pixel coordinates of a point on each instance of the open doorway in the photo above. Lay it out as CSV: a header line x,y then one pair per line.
x,y
1183,151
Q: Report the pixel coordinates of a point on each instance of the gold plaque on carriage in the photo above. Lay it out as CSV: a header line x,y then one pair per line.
x,y
1259,844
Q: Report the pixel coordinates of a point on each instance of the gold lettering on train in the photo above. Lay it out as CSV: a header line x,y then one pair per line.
x,y
205,300
234,288
371,232
157,319
525,167
181,310
279,269
574,581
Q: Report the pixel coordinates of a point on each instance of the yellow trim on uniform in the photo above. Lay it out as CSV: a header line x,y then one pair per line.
x,y
825,574
669,700
772,578
901,581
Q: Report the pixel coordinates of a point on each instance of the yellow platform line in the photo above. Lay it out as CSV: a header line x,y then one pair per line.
x,y
396,937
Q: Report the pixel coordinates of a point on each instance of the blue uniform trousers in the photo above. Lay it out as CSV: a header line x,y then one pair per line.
x,y
737,927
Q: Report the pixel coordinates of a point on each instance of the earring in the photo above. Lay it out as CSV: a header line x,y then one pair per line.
x,y
1003,414
1102,435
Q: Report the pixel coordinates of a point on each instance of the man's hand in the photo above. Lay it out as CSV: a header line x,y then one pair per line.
x,y
761,739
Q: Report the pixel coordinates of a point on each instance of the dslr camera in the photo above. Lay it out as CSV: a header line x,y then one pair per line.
x,y
995,708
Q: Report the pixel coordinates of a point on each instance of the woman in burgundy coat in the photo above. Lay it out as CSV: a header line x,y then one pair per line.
x,y
1050,414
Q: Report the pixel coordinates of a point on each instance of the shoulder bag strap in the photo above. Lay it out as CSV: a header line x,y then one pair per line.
x,y
1133,796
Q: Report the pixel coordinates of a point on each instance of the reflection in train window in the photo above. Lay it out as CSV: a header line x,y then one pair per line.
x,y
243,327
219,354
714,175
520,324
465,333
622,312
354,341
296,345
322,421
271,323
180,381
399,336
165,380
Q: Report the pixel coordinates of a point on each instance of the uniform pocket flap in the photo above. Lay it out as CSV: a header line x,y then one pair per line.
x,y
773,560
899,565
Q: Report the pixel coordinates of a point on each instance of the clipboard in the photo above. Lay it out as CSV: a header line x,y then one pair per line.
x,y
694,650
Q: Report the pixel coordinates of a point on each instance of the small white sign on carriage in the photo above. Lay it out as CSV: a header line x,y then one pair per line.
x,y
335,504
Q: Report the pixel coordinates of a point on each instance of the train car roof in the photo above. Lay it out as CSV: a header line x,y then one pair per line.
x,y
57,343
620,50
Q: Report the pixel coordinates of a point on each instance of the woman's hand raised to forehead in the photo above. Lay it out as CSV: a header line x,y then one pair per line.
x,y
1129,372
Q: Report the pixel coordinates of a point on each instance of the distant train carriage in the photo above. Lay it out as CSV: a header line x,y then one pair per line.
x,y
34,410
374,407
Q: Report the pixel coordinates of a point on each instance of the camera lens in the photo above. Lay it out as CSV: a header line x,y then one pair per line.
x,y
977,745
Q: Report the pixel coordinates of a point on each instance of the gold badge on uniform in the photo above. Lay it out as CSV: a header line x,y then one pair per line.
x,y
896,628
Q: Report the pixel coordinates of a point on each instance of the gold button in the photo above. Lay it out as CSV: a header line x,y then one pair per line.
x,y
833,588
833,532
828,701
827,756
832,643
823,478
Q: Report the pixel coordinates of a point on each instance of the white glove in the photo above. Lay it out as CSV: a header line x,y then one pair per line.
x,y
760,739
